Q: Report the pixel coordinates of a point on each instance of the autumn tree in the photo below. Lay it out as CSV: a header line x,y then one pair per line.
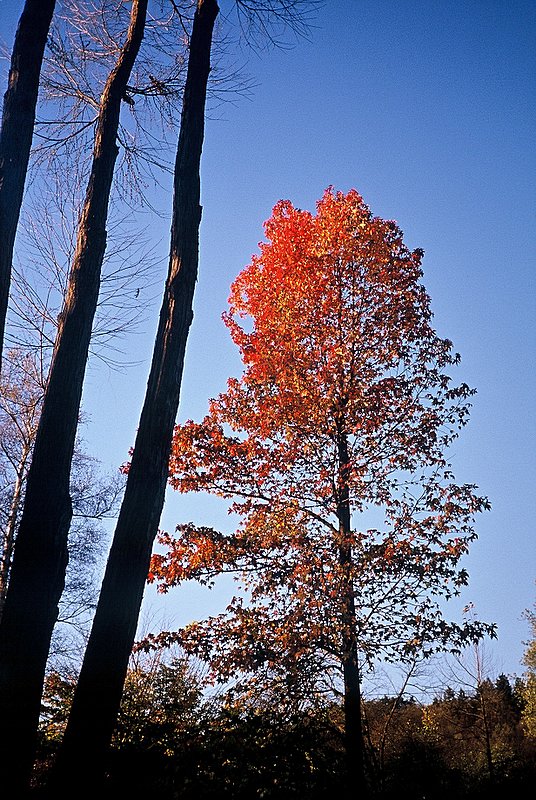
x,y
471,673
84,45
40,556
333,449
477,732
16,132
529,693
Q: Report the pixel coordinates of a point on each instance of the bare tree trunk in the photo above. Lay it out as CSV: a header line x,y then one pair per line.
x,y
18,118
355,784
100,685
11,525
40,558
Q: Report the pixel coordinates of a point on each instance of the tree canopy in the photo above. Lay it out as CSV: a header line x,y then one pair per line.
x,y
345,401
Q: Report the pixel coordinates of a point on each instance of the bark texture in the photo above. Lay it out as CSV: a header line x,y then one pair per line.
x,y
18,118
100,685
40,556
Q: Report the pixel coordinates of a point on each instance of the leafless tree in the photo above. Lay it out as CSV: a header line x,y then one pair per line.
x,y
40,282
100,684
40,556
95,496
16,131
470,671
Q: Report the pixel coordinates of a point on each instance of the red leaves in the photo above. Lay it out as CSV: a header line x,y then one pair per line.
x,y
196,554
334,330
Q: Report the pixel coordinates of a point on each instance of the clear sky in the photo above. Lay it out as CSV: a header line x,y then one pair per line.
x,y
428,110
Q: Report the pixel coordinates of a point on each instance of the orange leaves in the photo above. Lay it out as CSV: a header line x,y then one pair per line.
x,y
334,301
344,406
334,330
195,554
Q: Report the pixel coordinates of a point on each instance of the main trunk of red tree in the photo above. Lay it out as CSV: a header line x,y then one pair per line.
x,y
355,778
100,685
37,574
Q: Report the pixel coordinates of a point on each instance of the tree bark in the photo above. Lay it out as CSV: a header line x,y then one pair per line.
x,y
40,557
18,118
100,685
355,783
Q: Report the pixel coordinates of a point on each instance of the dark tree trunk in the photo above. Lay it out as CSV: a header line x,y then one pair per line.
x,y
40,557
355,783
100,685
16,134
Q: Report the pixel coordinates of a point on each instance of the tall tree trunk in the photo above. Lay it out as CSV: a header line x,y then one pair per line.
x,y
40,558
356,784
100,685
18,118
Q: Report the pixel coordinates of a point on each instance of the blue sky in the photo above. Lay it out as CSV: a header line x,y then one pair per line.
x,y
427,109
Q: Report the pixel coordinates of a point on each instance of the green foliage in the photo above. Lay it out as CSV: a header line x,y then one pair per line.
x,y
529,690
160,702
176,741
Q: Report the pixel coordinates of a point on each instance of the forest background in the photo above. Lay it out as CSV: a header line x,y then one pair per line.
x,y
427,111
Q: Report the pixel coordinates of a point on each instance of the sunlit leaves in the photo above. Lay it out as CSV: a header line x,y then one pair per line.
x,y
335,332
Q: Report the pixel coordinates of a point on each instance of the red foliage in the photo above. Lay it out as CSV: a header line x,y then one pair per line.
x,y
334,329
